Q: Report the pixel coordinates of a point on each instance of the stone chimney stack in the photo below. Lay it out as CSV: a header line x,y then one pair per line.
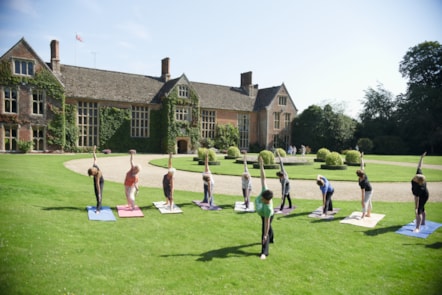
x,y
55,56
165,69
246,82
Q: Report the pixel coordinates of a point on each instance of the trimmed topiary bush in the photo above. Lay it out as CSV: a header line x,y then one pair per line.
x,y
281,152
322,154
268,159
333,161
353,157
233,152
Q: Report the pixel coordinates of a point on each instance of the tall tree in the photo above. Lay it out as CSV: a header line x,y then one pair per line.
x,y
420,108
319,128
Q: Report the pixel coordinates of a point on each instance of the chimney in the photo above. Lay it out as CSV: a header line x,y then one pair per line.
x,y
55,56
165,69
246,82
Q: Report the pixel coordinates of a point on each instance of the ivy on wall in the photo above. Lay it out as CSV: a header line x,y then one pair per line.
x,y
44,80
174,128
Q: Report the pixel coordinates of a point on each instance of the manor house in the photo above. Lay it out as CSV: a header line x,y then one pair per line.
x,y
64,107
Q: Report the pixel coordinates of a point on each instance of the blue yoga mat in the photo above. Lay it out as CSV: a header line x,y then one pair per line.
x,y
106,214
424,232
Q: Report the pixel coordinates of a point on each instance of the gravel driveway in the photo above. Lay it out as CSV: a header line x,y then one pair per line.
x,y
115,168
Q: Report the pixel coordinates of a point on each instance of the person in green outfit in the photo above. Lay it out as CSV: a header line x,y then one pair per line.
x,y
264,208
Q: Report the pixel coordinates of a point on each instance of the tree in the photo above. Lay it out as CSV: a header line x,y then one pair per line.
x,y
226,135
421,106
379,123
319,128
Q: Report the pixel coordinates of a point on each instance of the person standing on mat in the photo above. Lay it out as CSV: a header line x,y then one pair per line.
x,y
366,190
168,181
131,182
246,183
98,181
421,195
208,182
264,208
327,193
285,185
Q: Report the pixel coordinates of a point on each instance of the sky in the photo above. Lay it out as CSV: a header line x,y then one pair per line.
x,y
324,51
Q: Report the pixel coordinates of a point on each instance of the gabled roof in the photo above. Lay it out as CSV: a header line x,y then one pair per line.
x,y
223,97
115,86
23,42
265,97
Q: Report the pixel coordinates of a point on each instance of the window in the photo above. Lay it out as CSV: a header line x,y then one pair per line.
x,y
140,122
87,124
37,102
208,124
24,67
10,139
243,127
38,138
182,114
10,95
287,120
276,120
282,100
275,140
183,91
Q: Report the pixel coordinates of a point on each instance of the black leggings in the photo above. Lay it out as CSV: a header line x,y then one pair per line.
x,y
283,201
265,246
328,202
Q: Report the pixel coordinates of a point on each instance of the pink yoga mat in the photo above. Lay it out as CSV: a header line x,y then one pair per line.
x,y
125,211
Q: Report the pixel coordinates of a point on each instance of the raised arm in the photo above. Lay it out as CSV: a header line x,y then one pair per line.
x,y
206,162
169,165
245,163
263,173
419,165
281,164
94,154
131,159
362,161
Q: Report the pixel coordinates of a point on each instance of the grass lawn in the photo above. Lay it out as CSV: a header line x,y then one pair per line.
x,y
376,172
48,245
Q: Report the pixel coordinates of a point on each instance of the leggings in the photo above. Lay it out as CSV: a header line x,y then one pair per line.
x,y
265,246
367,201
283,201
328,202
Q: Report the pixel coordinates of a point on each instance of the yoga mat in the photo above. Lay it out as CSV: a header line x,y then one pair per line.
x,y
106,214
205,206
284,211
240,207
124,211
318,212
166,209
424,232
355,219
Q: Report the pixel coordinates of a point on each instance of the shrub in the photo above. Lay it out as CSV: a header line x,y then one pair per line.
x,y
353,157
333,159
281,152
25,146
267,157
365,145
202,154
322,153
233,151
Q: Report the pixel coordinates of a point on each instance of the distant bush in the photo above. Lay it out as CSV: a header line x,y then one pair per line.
x,y
281,152
322,153
334,159
233,152
25,146
353,157
267,157
365,145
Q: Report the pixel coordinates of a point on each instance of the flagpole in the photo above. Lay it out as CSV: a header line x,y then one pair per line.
x,y
75,50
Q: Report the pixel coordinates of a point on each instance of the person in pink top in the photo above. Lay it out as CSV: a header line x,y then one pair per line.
x,y
131,182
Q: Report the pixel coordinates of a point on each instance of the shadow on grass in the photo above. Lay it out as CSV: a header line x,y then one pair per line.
x,y
437,245
67,208
383,230
226,252
334,219
292,215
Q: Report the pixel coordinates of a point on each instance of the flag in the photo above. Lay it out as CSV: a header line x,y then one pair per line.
x,y
78,37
